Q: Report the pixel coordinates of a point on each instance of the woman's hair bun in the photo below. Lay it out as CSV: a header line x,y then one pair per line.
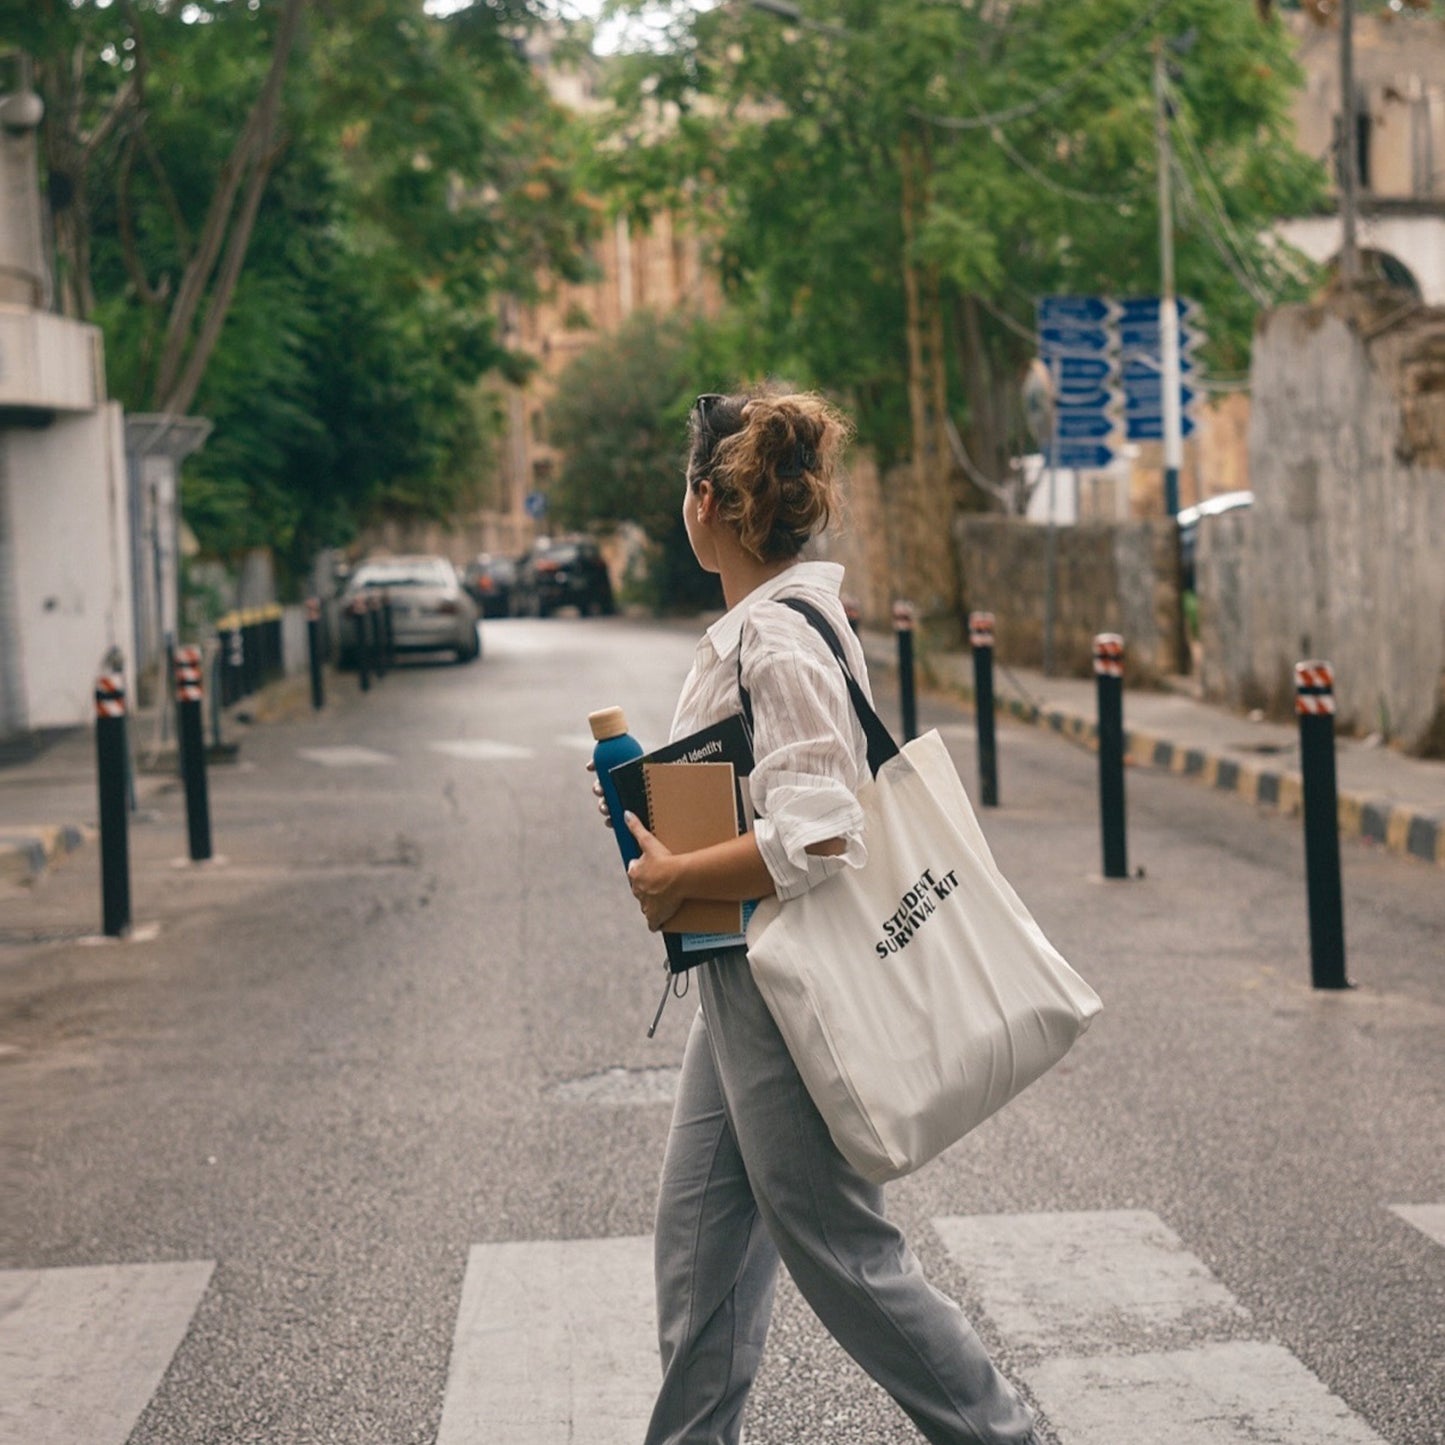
x,y
771,457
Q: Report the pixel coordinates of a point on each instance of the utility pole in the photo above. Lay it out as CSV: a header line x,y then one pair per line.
x,y
1349,149
1168,306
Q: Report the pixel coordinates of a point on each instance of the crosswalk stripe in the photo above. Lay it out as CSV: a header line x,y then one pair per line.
x,y
1092,1295
555,1342
1427,1218
481,750
83,1349
1235,1393
1064,1281
345,755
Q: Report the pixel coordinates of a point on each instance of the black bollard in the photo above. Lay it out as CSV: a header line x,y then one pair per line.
x,y
192,744
1314,692
378,636
313,650
363,643
1109,677
980,637
235,645
907,696
254,660
112,767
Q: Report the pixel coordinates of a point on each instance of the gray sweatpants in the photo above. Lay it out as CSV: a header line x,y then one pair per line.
x,y
751,1175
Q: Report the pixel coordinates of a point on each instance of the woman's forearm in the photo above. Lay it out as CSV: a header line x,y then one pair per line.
x,y
732,872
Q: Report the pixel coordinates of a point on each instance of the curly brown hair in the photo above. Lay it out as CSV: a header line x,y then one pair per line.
x,y
772,458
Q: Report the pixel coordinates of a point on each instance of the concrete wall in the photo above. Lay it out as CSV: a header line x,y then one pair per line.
x,y
1344,555
72,588
1119,577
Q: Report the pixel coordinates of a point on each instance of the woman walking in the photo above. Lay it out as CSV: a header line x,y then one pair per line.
x,y
751,1175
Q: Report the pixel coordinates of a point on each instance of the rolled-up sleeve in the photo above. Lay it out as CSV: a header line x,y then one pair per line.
x,y
806,766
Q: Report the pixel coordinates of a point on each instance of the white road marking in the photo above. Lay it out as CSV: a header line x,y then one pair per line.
x,y
82,1350
1061,1282
345,755
1427,1218
555,1342
1240,1393
480,750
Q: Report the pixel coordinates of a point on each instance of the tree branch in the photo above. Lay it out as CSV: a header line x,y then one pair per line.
x,y
249,154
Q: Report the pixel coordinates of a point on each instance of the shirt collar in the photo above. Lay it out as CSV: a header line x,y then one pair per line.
x,y
727,631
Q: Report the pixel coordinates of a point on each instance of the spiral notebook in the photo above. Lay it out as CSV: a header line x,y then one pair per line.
x,y
692,806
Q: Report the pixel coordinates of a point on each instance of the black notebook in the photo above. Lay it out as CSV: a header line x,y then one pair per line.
x,y
727,741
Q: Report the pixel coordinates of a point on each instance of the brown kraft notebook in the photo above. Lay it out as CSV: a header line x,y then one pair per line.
x,y
692,806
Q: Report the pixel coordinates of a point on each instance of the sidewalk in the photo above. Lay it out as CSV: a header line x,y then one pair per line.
x,y
48,794
1384,796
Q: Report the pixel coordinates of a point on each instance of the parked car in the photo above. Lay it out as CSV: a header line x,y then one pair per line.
x,y
563,572
1189,519
430,610
489,581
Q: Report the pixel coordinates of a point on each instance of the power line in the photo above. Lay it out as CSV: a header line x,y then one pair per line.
x,y
1252,286
1070,82
1212,194
1048,182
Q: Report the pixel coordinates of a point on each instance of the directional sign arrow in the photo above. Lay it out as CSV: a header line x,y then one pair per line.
x,y
1137,370
1082,425
1072,310
1148,396
1133,309
1093,398
1079,340
1151,428
1081,456
1076,373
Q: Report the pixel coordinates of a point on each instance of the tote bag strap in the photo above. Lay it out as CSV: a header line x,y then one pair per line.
x,y
881,746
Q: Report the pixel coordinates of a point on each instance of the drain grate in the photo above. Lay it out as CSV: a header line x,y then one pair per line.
x,y
619,1086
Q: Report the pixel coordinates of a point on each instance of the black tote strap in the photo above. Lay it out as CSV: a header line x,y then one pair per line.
x,y
881,746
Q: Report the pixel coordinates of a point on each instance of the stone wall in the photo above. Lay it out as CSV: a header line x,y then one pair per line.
x,y
1343,556
1111,577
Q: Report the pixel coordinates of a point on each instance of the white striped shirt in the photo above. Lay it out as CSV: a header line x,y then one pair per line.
x,y
810,755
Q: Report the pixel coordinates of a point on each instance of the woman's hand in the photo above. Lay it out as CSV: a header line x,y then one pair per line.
x,y
600,796
655,877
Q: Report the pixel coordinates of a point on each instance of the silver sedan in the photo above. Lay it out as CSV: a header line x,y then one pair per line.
x,y
430,609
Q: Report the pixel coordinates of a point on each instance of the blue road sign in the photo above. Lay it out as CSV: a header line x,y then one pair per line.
x,y
1066,310
1151,428
1148,396
1146,308
1082,373
1139,371
1081,425
536,504
1075,340
1094,398
1083,456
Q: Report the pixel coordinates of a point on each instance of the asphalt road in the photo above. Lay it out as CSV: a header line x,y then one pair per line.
x,y
406,1018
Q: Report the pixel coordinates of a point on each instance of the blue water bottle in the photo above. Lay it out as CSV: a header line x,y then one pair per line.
x,y
615,745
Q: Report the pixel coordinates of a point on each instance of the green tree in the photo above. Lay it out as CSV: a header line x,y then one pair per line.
x,y
294,218
619,417
892,183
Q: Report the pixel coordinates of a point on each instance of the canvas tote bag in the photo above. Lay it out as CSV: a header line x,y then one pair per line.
x,y
916,995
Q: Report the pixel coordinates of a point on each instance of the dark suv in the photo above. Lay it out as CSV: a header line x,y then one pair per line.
x,y
567,572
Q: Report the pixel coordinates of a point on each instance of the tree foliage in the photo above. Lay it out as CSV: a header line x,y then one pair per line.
x,y
619,417
414,170
893,183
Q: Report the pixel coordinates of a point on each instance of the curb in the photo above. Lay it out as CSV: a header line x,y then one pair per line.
x,y
25,853
1396,827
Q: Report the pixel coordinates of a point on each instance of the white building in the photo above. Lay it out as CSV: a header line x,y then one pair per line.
x,y
1399,66
65,552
